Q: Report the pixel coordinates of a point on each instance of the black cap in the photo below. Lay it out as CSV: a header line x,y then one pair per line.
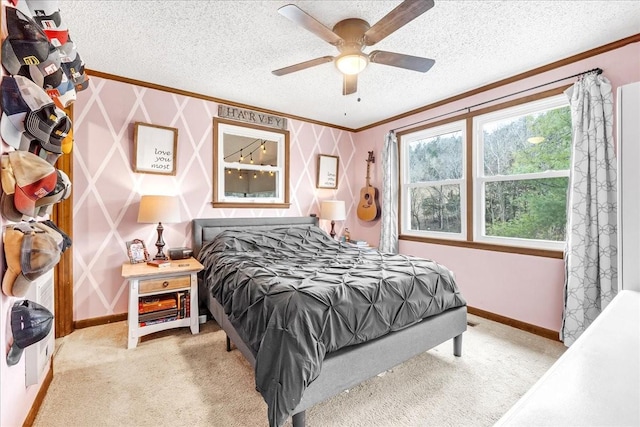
x,y
30,323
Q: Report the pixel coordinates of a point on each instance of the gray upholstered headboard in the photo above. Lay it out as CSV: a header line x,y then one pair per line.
x,y
204,229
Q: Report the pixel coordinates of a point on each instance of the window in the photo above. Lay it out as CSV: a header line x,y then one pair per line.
x,y
521,170
516,177
433,182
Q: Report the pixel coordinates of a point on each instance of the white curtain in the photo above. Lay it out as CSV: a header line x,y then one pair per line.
x,y
389,214
591,279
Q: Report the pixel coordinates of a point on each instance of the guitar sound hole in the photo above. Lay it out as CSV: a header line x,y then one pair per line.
x,y
366,196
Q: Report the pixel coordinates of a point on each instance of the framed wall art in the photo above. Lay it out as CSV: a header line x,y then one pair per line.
x,y
137,251
154,149
327,171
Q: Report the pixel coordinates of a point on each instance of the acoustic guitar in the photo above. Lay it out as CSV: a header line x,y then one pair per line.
x,y
368,206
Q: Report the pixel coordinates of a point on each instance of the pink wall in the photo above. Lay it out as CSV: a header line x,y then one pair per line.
x,y
106,191
521,287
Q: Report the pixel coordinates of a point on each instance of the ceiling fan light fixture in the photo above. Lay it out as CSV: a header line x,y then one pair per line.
x,y
352,63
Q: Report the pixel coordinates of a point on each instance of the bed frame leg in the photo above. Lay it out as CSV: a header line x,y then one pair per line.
x,y
228,343
298,419
457,346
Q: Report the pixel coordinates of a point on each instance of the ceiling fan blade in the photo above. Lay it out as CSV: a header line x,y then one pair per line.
x,y
302,65
306,21
350,84
404,13
415,63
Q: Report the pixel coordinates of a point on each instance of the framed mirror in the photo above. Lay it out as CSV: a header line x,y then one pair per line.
x,y
250,166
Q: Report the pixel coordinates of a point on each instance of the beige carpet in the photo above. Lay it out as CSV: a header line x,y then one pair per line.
x,y
174,378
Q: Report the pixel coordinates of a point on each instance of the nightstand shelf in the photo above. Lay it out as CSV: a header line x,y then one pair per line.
x,y
146,282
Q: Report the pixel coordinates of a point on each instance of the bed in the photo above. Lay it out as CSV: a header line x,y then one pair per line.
x,y
262,279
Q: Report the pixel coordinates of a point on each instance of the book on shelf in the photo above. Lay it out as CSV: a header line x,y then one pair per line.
x,y
182,297
154,315
187,305
159,263
156,321
156,302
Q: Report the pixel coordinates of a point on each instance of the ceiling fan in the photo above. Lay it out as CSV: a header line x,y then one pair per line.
x,y
351,35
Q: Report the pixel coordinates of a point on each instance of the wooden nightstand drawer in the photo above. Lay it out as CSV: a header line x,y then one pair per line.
x,y
155,285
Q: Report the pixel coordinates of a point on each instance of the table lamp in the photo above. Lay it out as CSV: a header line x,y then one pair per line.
x,y
159,209
334,211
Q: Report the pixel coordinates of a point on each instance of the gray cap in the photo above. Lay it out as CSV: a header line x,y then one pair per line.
x,y
30,323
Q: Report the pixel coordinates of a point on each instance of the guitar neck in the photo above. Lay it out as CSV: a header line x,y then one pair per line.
x,y
368,179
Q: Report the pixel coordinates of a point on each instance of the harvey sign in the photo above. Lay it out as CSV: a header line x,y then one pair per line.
x,y
233,113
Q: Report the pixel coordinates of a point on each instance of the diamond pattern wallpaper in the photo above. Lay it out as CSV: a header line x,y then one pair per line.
x,y
106,191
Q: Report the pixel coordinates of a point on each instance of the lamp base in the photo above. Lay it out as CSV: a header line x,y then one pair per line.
x,y
333,229
160,244
160,255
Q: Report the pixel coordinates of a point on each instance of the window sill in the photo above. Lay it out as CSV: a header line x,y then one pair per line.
x,y
546,253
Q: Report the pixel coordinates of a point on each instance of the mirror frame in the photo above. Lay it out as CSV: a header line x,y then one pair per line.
x,y
254,131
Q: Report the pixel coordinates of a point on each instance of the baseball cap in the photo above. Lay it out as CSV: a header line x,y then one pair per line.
x,y
46,74
30,109
30,252
30,323
64,94
73,68
7,208
55,234
66,240
51,22
60,193
68,51
67,142
34,178
10,61
25,44
26,141
43,7
36,148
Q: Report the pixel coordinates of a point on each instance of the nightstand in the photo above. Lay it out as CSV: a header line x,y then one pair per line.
x,y
151,292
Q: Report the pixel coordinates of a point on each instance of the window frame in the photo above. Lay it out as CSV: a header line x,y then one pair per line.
x,y
480,180
468,116
404,142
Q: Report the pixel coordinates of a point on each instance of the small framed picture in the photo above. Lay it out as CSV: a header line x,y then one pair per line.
x,y
154,149
327,171
137,251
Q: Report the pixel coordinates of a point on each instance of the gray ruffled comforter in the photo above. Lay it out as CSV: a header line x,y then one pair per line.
x,y
295,294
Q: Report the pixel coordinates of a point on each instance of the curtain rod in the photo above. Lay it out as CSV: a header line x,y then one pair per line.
x,y
468,109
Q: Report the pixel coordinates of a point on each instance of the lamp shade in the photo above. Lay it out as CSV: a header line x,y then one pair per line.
x,y
333,210
159,209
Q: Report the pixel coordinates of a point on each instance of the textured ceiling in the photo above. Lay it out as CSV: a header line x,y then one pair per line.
x,y
227,49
